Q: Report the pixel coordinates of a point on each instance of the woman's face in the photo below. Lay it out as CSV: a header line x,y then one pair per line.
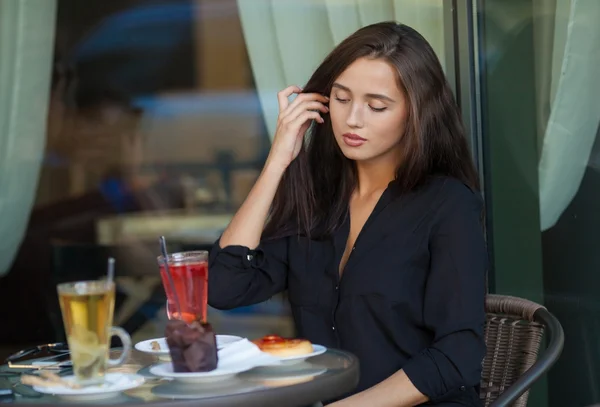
x,y
368,111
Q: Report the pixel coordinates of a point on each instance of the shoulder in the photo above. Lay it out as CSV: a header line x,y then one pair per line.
x,y
455,192
441,191
449,197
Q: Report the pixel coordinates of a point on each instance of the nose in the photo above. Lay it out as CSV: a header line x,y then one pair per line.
x,y
355,116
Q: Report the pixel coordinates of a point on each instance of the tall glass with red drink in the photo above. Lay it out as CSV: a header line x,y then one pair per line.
x,y
190,277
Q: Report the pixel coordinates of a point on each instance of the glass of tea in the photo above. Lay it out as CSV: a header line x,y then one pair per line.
x,y
189,271
87,309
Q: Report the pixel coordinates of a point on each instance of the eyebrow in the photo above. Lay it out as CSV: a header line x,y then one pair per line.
x,y
369,95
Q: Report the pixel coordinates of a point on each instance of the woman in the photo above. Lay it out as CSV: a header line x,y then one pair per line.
x,y
373,224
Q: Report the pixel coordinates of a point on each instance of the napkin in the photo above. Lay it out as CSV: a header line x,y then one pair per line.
x,y
244,352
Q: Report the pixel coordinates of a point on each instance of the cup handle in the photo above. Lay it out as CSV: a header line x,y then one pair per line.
x,y
126,340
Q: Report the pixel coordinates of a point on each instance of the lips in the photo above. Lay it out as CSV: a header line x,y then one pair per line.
x,y
353,136
353,140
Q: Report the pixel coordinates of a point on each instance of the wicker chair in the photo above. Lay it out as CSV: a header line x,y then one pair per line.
x,y
513,335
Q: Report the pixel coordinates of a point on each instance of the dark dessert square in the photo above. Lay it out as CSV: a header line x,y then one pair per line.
x,y
193,347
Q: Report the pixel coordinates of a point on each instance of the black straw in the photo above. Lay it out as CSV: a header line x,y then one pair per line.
x,y
163,249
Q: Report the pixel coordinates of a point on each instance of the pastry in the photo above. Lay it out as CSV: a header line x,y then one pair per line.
x,y
283,347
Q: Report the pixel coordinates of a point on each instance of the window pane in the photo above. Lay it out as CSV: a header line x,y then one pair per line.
x,y
541,116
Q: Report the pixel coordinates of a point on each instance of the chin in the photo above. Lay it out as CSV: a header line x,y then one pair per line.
x,y
348,152
354,154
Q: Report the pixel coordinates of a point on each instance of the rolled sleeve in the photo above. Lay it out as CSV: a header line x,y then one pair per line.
x,y
239,276
454,304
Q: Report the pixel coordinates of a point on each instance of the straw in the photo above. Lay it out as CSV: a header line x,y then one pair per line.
x,y
111,270
163,249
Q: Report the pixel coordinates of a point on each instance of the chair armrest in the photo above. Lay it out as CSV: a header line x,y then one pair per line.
x,y
547,359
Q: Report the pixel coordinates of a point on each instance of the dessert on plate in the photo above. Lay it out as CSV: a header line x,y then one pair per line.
x,y
193,347
284,347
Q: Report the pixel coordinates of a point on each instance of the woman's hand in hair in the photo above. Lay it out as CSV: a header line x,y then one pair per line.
x,y
294,120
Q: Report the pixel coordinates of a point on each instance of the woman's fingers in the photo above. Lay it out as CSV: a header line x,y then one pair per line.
x,y
303,98
283,95
304,117
310,105
293,121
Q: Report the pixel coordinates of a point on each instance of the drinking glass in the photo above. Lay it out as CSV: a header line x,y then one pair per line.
x,y
189,271
87,310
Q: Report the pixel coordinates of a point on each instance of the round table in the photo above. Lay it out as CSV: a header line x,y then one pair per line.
x,y
319,378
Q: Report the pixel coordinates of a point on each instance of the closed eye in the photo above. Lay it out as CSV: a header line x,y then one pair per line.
x,y
375,109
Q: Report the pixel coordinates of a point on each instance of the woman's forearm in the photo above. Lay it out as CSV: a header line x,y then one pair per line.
x,y
246,227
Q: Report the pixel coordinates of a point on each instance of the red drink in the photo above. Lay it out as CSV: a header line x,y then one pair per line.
x,y
189,271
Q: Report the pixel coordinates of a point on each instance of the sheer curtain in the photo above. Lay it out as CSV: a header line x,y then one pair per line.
x,y
287,39
568,98
26,44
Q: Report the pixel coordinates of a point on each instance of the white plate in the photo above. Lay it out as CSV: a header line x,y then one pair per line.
x,y
146,347
114,383
163,353
289,360
220,373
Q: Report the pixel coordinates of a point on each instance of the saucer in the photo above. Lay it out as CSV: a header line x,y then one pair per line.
x,y
163,352
218,374
114,383
237,357
290,360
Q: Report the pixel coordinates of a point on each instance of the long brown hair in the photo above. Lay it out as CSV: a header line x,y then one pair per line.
x,y
313,196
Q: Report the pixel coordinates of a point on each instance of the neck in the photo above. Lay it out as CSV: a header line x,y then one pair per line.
x,y
374,176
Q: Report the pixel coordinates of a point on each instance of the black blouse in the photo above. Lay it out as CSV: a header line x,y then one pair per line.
x,y
411,295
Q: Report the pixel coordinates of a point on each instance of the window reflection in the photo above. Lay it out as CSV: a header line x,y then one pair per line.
x,y
154,128
159,122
